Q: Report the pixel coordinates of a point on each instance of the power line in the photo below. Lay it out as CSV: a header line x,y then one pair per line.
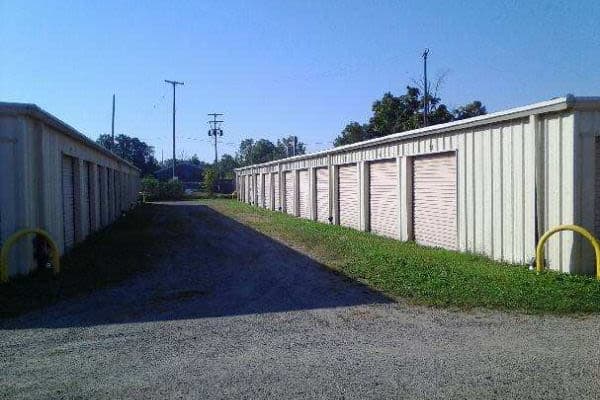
x,y
174,83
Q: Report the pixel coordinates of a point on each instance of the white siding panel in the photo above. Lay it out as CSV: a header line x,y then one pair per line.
x,y
348,196
303,194
384,207
268,185
86,211
434,186
322,187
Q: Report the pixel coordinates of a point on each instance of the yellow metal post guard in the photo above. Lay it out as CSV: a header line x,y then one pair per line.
x,y
4,252
539,251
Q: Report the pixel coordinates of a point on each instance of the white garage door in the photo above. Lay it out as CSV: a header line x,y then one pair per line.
x,y
68,194
348,196
268,191
434,201
288,191
276,200
383,198
260,196
248,189
597,189
85,200
322,186
303,194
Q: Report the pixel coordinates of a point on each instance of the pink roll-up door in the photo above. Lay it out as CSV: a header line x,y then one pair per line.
x,y
289,192
260,196
276,201
303,194
248,189
384,205
268,185
68,200
322,187
348,202
434,200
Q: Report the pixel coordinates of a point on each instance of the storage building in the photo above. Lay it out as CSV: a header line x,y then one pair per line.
x,y
54,178
491,184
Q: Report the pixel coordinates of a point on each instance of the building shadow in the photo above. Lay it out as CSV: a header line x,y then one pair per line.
x,y
220,268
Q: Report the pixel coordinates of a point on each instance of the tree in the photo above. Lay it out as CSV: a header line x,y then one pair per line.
x,y
470,110
210,179
132,149
392,114
226,166
352,133
285,147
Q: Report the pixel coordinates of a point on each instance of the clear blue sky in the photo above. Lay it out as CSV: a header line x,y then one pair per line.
x,y
282,67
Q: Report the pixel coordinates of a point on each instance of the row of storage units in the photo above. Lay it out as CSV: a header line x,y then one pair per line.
x,y
490,185
54,178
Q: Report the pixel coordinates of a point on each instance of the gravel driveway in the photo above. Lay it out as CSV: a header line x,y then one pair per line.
x,y
234,314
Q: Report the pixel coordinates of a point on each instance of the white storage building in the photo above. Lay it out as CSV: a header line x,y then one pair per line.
x,y
491,184
54,178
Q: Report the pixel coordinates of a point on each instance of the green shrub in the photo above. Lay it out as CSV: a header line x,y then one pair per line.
x,y
171,190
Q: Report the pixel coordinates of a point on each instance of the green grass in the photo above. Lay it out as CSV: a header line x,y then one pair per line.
x,y
131,245
421,274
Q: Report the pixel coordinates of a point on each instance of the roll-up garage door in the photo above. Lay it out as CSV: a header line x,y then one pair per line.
x,y
276,191
85,200
256,189
248,189
322,186
259,190
434,200
597,187
303,194
268,191
68,195
289,192
348,196
383,198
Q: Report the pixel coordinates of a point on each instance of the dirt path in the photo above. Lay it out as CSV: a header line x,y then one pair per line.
x,y
234,314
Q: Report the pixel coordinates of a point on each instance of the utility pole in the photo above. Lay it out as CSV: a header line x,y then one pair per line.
x,y
293,146
112,130
426,98
174,83
215,131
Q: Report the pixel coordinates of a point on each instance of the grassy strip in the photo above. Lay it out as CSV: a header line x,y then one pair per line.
x,y
421,274
130,245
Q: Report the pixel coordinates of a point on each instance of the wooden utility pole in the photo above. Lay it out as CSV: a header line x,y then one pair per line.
x,y
112,130
174,83
215,131
426,89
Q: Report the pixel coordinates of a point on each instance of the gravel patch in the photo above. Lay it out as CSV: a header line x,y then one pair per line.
x,y
234,314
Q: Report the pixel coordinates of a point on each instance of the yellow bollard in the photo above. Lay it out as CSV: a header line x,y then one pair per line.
x,y
539,251
5,251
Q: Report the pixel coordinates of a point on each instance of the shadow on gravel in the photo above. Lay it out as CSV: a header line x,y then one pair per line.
x,y
218,268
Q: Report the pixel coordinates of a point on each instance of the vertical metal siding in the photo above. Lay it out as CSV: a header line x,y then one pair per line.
x,y
260,195
68,196
322,195
434,201
276,201
348,196
303,194
268,184
384,204
289,194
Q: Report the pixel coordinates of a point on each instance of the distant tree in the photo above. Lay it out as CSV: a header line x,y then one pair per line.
x,y
226,166
210,179
392,114
195,160
352,133
285,147
132,149
470,110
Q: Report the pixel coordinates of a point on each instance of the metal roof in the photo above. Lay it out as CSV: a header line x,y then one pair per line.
x,y
556,104
34,111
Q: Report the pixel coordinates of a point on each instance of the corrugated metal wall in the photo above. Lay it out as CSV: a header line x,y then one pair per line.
x,y
495,182
32,192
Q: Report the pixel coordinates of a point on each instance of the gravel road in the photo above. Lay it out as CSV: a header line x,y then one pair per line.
x,y
234,314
